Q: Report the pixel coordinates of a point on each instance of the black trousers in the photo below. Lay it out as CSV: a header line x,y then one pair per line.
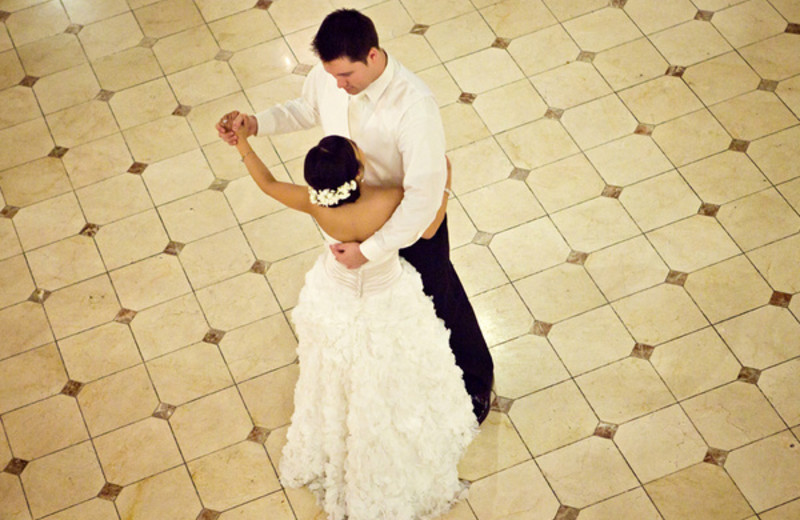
x,y
431,258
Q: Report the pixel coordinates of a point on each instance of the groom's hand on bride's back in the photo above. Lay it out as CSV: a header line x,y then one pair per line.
x,y
229,124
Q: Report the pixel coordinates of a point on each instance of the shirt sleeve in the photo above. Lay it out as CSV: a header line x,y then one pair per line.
x,y
421,145
297,114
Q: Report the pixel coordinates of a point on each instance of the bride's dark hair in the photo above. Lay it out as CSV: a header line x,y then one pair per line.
x,y
331,164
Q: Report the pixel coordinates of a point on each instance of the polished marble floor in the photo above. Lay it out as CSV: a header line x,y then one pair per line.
x,y
625,220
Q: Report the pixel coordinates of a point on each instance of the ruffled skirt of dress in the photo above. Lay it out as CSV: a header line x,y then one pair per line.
x,y
381,415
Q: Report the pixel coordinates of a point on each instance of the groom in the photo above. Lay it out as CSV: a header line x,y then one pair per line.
x,y
361,92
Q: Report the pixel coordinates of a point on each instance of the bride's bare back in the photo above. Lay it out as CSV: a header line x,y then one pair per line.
x,y
357,221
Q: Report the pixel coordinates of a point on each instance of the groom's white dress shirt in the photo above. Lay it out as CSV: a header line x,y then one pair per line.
x,y
400,134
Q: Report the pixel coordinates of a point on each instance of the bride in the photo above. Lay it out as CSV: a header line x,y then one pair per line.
x,y
381,417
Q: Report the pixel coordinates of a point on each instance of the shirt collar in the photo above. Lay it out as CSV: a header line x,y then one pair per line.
x,y
375,89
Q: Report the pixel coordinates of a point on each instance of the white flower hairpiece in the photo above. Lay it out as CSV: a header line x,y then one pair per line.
x,y
331,197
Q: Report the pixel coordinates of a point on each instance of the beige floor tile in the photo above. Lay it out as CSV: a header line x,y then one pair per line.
x,y
10,241
484,70
721,78
169,326
392,18
598,121
269,398
693,243
595,224
137,451
248,67
513,18
430,13
213,10
780,384
185,49
695,363
101,204
281,234
462,126
16,285
51,54
768,471
24,142
461,229
703,491
167,17
131,239
110,36
232,476
11,67
566,9
226,163
286,277
748,22
724,177
88,11
514,364
98,160
753,115
660,100
537,144
733,415
773,155
628,160
517,492
197,216
44,427
460,36
216,257
189,373
117,400
691,137
477,269
501,314
143,103
626,268
62,479
304,504
570,85
510,106
160,139
169,494
529,248
37,22
784,512
95,509
690,43
659,314
276,440
66,88
243,29
603,470
82,306
135,283
65,262
18,105
602,29
496,448
660,443
729,288
789,92
99,352
305,13
632,504
759,338
715,5
441,84
772,58
565,182
210,423
787,8
247,200
412,51
274,506
31,376
659,201
777,263
758,219
630,63
237,301
500,206
127,68
559,293
178,177
24,327
542,50
49,221
591,340
82,123
478,164
259,347
650,17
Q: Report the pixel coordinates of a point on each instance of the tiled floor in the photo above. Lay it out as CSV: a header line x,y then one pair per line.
x,y
625,219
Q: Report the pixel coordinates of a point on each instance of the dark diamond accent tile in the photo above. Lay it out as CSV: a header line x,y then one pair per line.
x,y
519,174
263,4
586,56
9,211
182,111
780,299
769,85
642,351
29,81
502,404
554,113
704,16
72,388
174,248
738,145
577,257
208,514
219,185
541,328
164,411
482,238
619,4
302,69
644,129
606,430
467,98
259,267
566,513
715,456
89,230
110,492
708,210
4,16
223,55
104,95
258,435
16,466
675,70
420,29
501,43
749,375
58,152
137,168
612,192
793,28
676,277
147,42
214,336
39,295
74,28
125,316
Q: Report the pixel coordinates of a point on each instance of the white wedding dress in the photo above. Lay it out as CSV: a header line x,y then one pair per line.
x,y
381,415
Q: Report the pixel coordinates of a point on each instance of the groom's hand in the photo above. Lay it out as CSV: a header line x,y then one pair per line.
x,y
348,254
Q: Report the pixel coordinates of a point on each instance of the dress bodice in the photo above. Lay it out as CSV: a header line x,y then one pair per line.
x,y
370,278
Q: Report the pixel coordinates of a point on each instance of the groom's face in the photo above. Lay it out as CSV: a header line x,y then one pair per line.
x,y
353,76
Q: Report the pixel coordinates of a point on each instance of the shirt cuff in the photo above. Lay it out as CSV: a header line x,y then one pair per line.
x,y
370,249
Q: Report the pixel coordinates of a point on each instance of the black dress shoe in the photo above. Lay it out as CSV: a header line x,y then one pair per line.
x,y
481,404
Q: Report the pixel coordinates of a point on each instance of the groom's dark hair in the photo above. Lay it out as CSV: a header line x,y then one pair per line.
x,y
331,164
345,33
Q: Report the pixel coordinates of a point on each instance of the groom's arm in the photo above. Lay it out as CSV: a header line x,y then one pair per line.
x,y
296,114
